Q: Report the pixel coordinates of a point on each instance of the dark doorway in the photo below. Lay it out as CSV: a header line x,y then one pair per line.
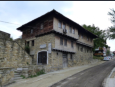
x,y
42,57
65,61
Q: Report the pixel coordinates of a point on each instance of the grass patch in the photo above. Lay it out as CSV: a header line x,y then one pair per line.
x,y
38,73
23,76
98,57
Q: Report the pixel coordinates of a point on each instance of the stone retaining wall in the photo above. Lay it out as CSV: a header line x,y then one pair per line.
x,y
12,54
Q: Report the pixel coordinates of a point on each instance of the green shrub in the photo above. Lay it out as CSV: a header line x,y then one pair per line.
x,y
11,39
27,49
39,72
23,76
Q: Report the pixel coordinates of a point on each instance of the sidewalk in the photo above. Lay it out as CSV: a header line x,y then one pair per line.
x,y
49,79
110,80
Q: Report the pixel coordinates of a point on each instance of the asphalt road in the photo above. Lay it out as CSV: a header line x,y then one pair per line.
x,y
91,77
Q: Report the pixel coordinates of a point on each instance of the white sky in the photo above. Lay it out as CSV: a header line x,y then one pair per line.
x,y
82,12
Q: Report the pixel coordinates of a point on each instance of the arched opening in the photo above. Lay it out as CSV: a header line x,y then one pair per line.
x,y
42,57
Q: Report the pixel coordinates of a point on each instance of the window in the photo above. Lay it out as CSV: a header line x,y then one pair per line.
x,y
65,42
81,36
27,43
87,50
72,44
78,36
71,56
41,26
87,39
32,42
64,26
61,41
73,31
60,24
42,57
91,39
81,49
70,29
31,31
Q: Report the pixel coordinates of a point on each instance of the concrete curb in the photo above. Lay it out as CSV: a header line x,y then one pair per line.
x,y
104,84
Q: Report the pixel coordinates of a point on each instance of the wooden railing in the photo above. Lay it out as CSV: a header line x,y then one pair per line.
x,y
98,54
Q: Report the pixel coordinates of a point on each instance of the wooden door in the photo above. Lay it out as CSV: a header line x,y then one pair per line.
x,y
65,61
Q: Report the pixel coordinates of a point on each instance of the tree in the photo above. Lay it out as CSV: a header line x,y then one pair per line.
x,y
112,28
107,52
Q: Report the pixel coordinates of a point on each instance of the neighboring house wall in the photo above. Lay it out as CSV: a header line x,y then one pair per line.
x,y
108,48
12,54
4,35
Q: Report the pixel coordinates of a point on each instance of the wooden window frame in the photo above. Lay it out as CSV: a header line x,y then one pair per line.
x,y
27,43
59,24
61,41
41,26
72,44
87,39
70,29
31,31
73,30
64,25
32,42
65,42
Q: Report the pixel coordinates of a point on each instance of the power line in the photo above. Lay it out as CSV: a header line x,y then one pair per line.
x,y
8,22
17,24
36,27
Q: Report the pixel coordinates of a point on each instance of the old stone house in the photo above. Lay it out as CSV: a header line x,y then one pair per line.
x,y
57,42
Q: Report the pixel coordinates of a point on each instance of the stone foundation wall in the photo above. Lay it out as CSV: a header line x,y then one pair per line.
x,y
84,56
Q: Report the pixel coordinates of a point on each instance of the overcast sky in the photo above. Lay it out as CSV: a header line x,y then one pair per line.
x,y
82,12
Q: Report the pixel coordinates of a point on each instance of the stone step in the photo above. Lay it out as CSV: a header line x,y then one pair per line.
x,y
8,84
17,75
15,78
17,71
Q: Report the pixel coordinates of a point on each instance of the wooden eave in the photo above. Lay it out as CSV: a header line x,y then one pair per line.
x,y
57,33
84,44
60,50
31,23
